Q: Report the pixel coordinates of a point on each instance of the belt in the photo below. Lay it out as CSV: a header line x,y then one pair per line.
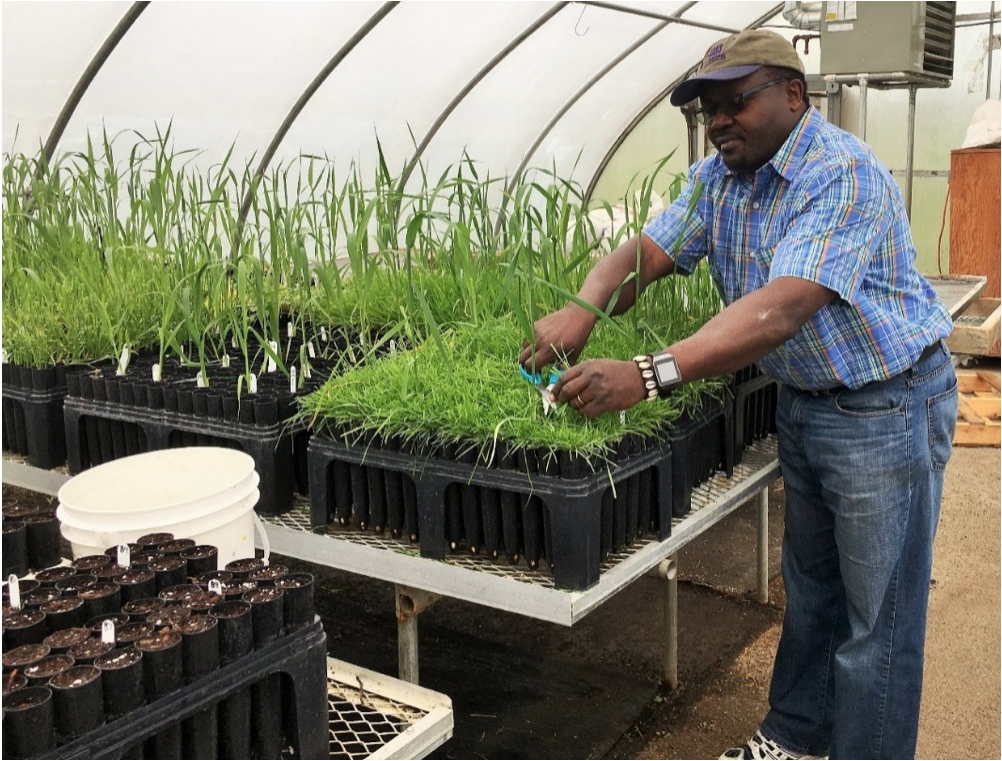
x,y
927,352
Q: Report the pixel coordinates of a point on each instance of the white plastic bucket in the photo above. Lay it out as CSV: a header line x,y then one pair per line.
x,y
204,493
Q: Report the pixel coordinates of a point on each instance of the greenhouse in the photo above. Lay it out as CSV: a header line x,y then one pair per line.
x,y
641,359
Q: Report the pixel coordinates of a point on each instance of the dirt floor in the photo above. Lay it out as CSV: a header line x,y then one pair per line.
x,y
526,689
961,695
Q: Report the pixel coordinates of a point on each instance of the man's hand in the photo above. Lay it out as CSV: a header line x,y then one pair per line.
x,y
560,335
600,385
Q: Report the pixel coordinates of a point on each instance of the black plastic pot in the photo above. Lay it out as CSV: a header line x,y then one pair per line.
x,y
42,539
203,601
108,572
175,546
124,688
155,397
266,613
172,616
61,641
144,559
231,408
78,700
36,598
242,567
101,598
113,551
129,634
88,651
138,610
40,672
153,541
266,716
23,627
200,655
170,399
19,658
137,585
200,646
179,593
170,571
15,548
87,564
265,411
236,631
162,663
64,613
235,590
235,725
201,559
223,577
95,624
298,600
13,682
24,585
28,723
267,575
50,576
73,585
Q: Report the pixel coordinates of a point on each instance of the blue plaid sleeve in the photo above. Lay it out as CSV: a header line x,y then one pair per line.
x,y
845,213
681,235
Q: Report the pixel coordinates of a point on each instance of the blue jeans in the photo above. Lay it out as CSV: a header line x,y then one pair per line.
x,y
863,473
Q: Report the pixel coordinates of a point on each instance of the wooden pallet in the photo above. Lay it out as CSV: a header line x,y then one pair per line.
x,y
978,413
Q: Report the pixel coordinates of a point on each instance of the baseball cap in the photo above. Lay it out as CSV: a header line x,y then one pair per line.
x,y
738,56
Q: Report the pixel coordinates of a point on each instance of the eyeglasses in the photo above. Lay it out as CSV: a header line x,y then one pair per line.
x,y
731,106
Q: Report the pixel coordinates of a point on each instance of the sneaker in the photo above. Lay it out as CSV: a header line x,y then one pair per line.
x,y
758,747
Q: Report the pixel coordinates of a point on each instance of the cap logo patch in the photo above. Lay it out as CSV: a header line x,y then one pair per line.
x,y
716,53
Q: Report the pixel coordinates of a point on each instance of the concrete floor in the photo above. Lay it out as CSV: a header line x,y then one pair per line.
x,y
961,696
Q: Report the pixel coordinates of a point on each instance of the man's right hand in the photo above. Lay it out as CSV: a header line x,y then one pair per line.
x,y
561,335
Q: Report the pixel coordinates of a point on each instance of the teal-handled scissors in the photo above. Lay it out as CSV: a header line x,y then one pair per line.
x,y
544,389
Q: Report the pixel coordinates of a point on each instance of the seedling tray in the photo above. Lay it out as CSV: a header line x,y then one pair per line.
x,y
97,432
299,657
573,523
33,425
700,446
755,399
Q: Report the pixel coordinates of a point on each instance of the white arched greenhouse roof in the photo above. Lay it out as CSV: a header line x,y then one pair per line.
x,y
511,83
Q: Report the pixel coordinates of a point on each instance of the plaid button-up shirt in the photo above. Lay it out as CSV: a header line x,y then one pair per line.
x,y
825,210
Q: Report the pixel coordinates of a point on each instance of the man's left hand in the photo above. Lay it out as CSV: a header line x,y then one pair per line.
x,y
600,385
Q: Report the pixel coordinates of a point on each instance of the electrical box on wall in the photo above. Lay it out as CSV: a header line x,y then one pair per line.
x,y
888,37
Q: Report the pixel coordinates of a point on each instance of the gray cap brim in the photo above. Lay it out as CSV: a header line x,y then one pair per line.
x,y
689,89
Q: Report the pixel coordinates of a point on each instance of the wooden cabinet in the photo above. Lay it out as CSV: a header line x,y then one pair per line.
x,y
975,206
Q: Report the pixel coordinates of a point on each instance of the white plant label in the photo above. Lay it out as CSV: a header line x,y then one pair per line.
x,y
108,631
252,386
323,334
393,346
157,374
201,380
310,350
290,331
307,372
233,342
216,587
272,367
292,379
124,556
622,417
123,361
14,589
3,355
226,360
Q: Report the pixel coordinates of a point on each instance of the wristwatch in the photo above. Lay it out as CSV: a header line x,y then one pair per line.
x,y
666,372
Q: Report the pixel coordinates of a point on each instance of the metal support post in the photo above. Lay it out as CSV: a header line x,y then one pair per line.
x,y
863,88
410,603
910,158
668,571
763,546
834,100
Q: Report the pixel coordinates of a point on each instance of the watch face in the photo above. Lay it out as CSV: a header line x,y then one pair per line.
x,y
666,368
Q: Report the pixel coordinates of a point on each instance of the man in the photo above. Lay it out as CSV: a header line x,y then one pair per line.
x,y
809,245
